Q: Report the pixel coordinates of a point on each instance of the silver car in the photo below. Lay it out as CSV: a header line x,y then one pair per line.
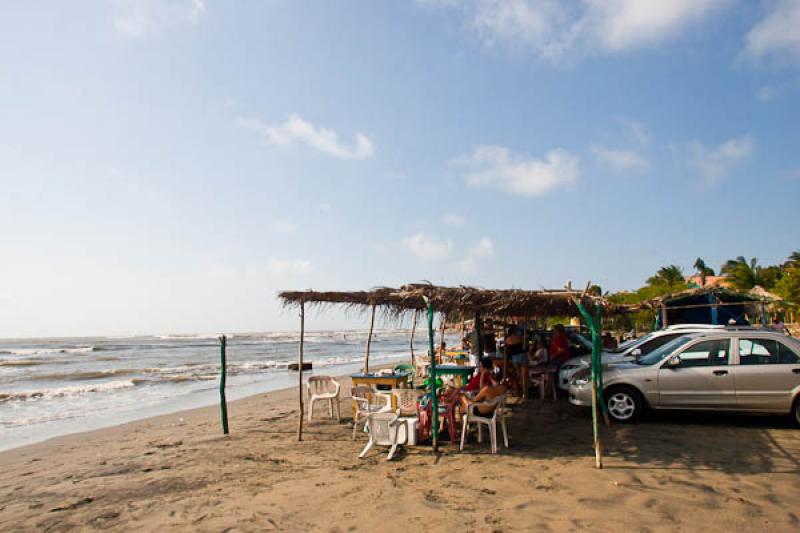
x,y
629,350
746,370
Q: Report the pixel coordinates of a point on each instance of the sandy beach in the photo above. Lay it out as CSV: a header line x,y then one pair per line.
x,y
177,472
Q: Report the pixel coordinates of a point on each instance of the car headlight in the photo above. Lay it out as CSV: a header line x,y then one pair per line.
x,y
581,378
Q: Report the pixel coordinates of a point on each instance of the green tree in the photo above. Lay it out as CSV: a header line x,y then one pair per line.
x,y
743,274
702,270
769,276
668,275
788,286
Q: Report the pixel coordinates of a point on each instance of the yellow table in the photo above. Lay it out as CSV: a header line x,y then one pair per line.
x,y
392,380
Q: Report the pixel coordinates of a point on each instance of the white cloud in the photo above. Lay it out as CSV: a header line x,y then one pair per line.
x,y
553,29
484,248
427,248
621,161
295,129
136,18
541,25
714,163
286,267
495,167
284,226
624,24
453,220
777,33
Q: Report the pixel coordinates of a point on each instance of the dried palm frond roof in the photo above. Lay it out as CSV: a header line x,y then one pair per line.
x,y
454,302
723,295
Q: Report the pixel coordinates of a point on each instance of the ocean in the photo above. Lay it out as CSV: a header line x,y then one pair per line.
x,y
51,387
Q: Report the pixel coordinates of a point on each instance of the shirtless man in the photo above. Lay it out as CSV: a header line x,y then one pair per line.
x,y
489,392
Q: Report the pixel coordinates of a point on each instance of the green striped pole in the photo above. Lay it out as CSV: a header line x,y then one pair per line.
x,y
434,399
595,326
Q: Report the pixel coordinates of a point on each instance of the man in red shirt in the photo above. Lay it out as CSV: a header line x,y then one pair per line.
x,y
559,347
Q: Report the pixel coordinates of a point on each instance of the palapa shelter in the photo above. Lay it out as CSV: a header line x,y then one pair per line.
x,y
710,305
457,303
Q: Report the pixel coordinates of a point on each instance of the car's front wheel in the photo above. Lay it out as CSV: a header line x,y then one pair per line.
x,y
624,404
796,412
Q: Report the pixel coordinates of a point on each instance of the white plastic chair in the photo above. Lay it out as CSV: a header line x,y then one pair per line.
x,y
422,365
406,401
473,416
323,388
385,429
367,401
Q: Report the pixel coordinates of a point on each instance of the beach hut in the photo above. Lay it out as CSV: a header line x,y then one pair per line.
x,y
459,304
711,305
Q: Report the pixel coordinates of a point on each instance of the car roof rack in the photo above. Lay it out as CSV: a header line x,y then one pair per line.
x,y
695,326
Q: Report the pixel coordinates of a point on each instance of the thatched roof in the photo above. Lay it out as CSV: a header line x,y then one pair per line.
x,y
454,302
763,294
724,295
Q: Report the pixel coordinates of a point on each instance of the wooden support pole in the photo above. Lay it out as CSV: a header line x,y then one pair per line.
x,y
594,322
223,404
300,371
369,340
479,335
442,324
411,341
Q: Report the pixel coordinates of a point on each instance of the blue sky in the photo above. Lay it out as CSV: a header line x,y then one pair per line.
x,y
169,165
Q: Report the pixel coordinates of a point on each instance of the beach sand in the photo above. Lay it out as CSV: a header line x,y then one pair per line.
x,y
177,472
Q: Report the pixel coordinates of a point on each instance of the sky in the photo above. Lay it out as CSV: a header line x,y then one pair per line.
x,y
170,165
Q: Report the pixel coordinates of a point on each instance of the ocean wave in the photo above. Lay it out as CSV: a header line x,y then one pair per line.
x,y
86,375
190,337
47,351
178,378
61,392
23,362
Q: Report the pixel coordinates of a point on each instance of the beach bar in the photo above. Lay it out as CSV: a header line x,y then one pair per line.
x,y
458,304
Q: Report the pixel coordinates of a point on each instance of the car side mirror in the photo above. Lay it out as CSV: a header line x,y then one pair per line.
x,y
636,352
673,362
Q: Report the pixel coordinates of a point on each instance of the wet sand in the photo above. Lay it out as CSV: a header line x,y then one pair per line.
x,y
177,472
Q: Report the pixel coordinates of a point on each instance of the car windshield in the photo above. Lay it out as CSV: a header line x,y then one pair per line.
x,y
583,341
663,351
627,345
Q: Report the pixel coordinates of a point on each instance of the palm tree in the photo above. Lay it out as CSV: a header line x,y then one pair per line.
x,y
668,275
702,270
743,274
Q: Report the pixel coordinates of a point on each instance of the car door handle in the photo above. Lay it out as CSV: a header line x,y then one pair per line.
x,y
720,372
796,370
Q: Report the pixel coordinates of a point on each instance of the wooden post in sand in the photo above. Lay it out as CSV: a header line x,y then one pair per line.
x,y
411,341
223,404
300,370
595,323
369,340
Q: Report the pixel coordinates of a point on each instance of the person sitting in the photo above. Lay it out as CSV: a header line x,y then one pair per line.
x,y
539,351
482,377
489,392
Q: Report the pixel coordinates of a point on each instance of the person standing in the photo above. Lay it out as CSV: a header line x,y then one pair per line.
x,y
559,347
